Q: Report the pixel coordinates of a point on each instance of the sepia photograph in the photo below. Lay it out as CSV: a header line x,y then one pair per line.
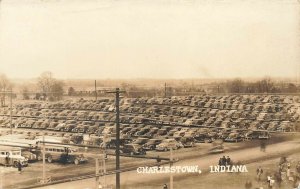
x,y
149,94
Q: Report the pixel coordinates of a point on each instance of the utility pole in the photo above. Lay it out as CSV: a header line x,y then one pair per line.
x,y
117,92
104,170
95,89
11,111
1,186
44,160
101,171
171,164
97,173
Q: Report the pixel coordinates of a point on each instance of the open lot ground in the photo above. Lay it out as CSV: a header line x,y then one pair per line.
x,y
247,152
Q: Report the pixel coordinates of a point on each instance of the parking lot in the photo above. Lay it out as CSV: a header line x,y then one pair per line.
x,y
150,127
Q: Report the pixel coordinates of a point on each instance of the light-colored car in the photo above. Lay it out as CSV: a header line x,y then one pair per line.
x,y
167,144
11,156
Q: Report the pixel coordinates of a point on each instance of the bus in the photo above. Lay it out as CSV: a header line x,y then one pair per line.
x,y
60,153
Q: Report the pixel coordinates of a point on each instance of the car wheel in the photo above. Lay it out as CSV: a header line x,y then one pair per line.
x,y
15,164
40,157
76,161
49,159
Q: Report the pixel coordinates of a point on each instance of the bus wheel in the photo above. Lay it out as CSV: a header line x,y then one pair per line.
x,y
76,161
15,164
49,159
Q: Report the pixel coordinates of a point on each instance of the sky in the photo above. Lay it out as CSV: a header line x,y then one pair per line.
x,y
150,39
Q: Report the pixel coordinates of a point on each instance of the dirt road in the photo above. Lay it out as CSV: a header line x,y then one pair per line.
x,y
133,180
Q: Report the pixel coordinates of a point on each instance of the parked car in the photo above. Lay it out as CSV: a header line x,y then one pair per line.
x,y
132,149
140,141
151,144
167,144
187,142
203,138
264,135
234,137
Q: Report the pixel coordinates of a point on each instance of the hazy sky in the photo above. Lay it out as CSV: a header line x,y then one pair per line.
x,y
150,38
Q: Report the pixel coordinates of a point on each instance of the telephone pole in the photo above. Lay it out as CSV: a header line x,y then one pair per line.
x,y
117,93
171,164
97,173
44,161
11,112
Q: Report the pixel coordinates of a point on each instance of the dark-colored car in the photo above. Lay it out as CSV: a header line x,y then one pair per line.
x,y
203,138
151,144
132,149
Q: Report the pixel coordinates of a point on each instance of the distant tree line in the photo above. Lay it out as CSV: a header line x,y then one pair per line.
x,y
133,91
265,85
48,88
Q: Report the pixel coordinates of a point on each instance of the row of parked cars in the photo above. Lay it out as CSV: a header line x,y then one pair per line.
x,y
141,145
85,116
232,99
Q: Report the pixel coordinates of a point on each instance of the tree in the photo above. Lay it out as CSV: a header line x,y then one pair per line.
x,y
291,88
71,91
236,86
57,90
25,93
45,82
51,87
4,85
265,86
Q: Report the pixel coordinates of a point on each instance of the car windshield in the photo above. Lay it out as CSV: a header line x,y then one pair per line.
x,y
16,153
232,135
131,147
152,142
137,141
